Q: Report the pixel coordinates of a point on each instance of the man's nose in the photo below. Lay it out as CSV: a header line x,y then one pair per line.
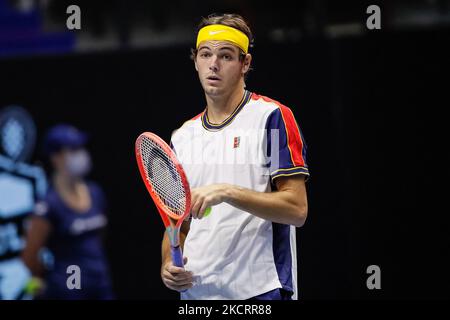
x,y
214,66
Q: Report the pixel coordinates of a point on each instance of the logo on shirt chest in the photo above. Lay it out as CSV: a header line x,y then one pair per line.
x,y
87,224
236,142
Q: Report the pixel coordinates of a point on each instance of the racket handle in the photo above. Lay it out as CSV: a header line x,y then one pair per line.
x,y
177,256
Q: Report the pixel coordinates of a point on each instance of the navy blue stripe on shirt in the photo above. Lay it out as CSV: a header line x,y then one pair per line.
x,y
282,254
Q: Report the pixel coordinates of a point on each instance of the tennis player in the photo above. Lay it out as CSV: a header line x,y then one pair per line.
x,y
244,157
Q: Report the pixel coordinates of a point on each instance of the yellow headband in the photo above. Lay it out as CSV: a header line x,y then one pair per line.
x,y
219,32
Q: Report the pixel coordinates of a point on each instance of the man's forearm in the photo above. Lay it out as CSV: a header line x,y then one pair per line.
x,y
287,207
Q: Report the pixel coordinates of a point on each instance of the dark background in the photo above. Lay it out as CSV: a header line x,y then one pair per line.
x,y
371,109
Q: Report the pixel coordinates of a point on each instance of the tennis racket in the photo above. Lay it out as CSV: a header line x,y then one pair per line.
x,y
167,184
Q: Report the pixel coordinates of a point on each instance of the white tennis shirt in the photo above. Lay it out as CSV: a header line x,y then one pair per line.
x,y
234,254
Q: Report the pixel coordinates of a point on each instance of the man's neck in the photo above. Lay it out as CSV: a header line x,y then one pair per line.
x,y
221,107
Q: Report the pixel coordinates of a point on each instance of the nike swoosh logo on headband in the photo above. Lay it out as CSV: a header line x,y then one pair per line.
x,y
211,33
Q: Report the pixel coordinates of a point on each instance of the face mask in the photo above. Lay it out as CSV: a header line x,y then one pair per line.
x,y
78,163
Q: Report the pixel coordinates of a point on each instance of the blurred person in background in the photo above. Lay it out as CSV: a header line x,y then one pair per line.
x,y
69,222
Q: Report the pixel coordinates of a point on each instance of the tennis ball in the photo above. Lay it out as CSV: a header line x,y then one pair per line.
x,y
207,212
33,286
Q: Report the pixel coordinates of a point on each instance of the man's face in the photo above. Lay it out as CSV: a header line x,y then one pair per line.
x,y
219,67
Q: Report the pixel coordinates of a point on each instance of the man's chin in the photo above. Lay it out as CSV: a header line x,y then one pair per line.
x,y
213,91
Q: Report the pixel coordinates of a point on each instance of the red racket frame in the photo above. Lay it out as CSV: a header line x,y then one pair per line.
x,y
172,221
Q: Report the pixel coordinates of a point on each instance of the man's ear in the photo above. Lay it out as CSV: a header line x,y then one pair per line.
x,y
247,63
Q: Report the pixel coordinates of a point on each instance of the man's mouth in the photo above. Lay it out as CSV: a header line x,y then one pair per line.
x,y
214,78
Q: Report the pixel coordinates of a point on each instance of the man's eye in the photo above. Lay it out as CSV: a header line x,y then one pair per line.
x,y
227,57
204,55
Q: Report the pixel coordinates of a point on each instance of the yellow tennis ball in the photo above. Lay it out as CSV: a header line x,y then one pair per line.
x,y
207,212
33,286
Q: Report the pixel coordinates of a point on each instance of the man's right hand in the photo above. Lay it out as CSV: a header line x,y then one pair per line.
x,y
176,278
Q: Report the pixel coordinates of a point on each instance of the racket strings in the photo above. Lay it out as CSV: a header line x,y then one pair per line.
x,y
163,175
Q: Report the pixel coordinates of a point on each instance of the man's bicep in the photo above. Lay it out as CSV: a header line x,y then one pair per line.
x,y
293,189
295,183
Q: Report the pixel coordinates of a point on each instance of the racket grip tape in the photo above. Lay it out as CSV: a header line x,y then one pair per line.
x,y
177,256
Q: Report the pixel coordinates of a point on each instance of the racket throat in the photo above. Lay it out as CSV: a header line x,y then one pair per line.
x,y
174,236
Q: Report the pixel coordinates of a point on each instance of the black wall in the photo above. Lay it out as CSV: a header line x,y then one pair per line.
x,y
370,109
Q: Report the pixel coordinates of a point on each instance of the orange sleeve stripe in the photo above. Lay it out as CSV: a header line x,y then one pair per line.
x,y
197,116
295,142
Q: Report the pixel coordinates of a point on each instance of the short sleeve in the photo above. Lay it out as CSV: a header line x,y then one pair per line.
x,y
286,147
42,209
